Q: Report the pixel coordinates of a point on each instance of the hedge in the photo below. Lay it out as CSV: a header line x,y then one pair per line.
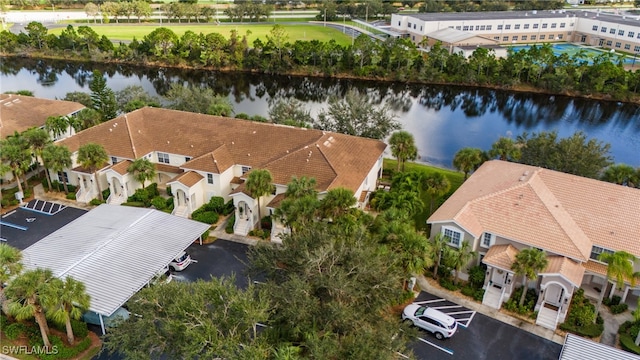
x,y
207,217
627,341
590,330
80,330
229,227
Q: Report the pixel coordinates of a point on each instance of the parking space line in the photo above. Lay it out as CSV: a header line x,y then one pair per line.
x,y
460,312
15,226
471,318
448,351
428,301
445,307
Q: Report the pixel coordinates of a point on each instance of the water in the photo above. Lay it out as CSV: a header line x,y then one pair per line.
x,y
443,119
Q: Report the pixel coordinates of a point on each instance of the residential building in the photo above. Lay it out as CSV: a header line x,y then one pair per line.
x,y
505,207
201,156
460,30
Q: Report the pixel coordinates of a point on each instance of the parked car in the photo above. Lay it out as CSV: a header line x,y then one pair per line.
x,y
162,277
180,262
93,318
432,320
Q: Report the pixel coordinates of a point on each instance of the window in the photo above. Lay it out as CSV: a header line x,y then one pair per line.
x,y
533,37
526,26
515,38
163,158
524,37
516,26
458,27
554,25
497,38
542,37
618,44
187,158
477,27
420,28
609,42
409,25
488,27
627,46
535,26
636,48
597,250
612,31
114,160
560,36
507,27
209,178
505,38
620,32
63,176
603,29
551,36
631,34
583,38
562,25
414,26
595,28
453,237
487,240
499,27
398,23
482,27
465,28
245,169
638,35
544,26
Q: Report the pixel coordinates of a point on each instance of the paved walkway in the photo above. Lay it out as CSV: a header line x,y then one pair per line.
x,y
612,324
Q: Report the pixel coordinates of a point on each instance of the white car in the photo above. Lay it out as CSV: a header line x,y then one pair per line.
x,y
432,320
180,262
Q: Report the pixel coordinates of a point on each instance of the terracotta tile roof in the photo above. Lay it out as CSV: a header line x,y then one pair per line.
x,y
501,256
596,267
168,168
188,178
571,270
275,202
545,209
87,171
19,113
237,180
336,160
121,167
215,162
363,196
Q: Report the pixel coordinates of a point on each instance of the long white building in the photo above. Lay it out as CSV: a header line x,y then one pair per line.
x,y
610,31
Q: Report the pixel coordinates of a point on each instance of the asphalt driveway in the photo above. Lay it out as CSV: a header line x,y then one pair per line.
x,y
484,338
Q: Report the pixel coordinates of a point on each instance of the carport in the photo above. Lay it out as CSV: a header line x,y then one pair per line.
x,y
114,251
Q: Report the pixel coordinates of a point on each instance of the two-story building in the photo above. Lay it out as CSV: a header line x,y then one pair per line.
x,y
505,207
201,156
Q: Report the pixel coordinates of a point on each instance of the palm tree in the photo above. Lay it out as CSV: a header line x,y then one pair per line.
x,y
10,266
438,247
300,187
56,125
467,159
142,170
92,156
259,183
461,257
528,263
27,293
619,267
437,185
14,150
336,203
69,302
621,174
57,158
505,149
37,139
403,147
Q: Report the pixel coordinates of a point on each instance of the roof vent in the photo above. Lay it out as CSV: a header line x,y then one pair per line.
x,y
191,145
233,143
139,132
306,146
110,130
167,141
215,161
254,131
248,154
523,178
317,145
307,160
526,173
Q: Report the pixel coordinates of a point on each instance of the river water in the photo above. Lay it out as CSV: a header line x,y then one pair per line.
x,y
442,119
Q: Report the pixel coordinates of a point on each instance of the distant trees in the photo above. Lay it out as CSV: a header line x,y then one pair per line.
x,y
289,112
197,99
103,99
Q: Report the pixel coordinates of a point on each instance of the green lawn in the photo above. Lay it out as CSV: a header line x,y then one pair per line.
x,y
455,178
296,32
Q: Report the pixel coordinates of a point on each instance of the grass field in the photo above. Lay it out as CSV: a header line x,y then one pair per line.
x,y
296,32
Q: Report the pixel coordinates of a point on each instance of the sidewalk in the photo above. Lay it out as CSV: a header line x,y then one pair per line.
x,y
488,311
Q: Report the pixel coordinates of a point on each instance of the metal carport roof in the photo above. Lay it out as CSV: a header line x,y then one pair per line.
x,y
114,251
578,348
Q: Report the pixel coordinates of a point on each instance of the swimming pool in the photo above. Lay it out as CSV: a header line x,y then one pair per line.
x,y
572,49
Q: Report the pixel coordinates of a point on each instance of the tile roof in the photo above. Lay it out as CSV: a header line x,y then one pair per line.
x,y
19,113
188,178
275,202
569,269
596,267
336,160
168,168
501,256
546,209
215,162
121,167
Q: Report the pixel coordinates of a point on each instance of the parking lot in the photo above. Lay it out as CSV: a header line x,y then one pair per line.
x,y
480,337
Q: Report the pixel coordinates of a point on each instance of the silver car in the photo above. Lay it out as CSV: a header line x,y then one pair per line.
x,y
432,320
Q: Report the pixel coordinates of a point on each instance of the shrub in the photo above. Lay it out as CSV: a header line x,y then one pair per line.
x,y
619,308
263,234
266,222
14,330
133,203
628,332
580,318
159,202
80,330
71,196
229,227
615,300
468,291
448,284
207,217
478,295
513,304
228,208
243,116
96,202
476,277
4,322
152,190
215,204
106,193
